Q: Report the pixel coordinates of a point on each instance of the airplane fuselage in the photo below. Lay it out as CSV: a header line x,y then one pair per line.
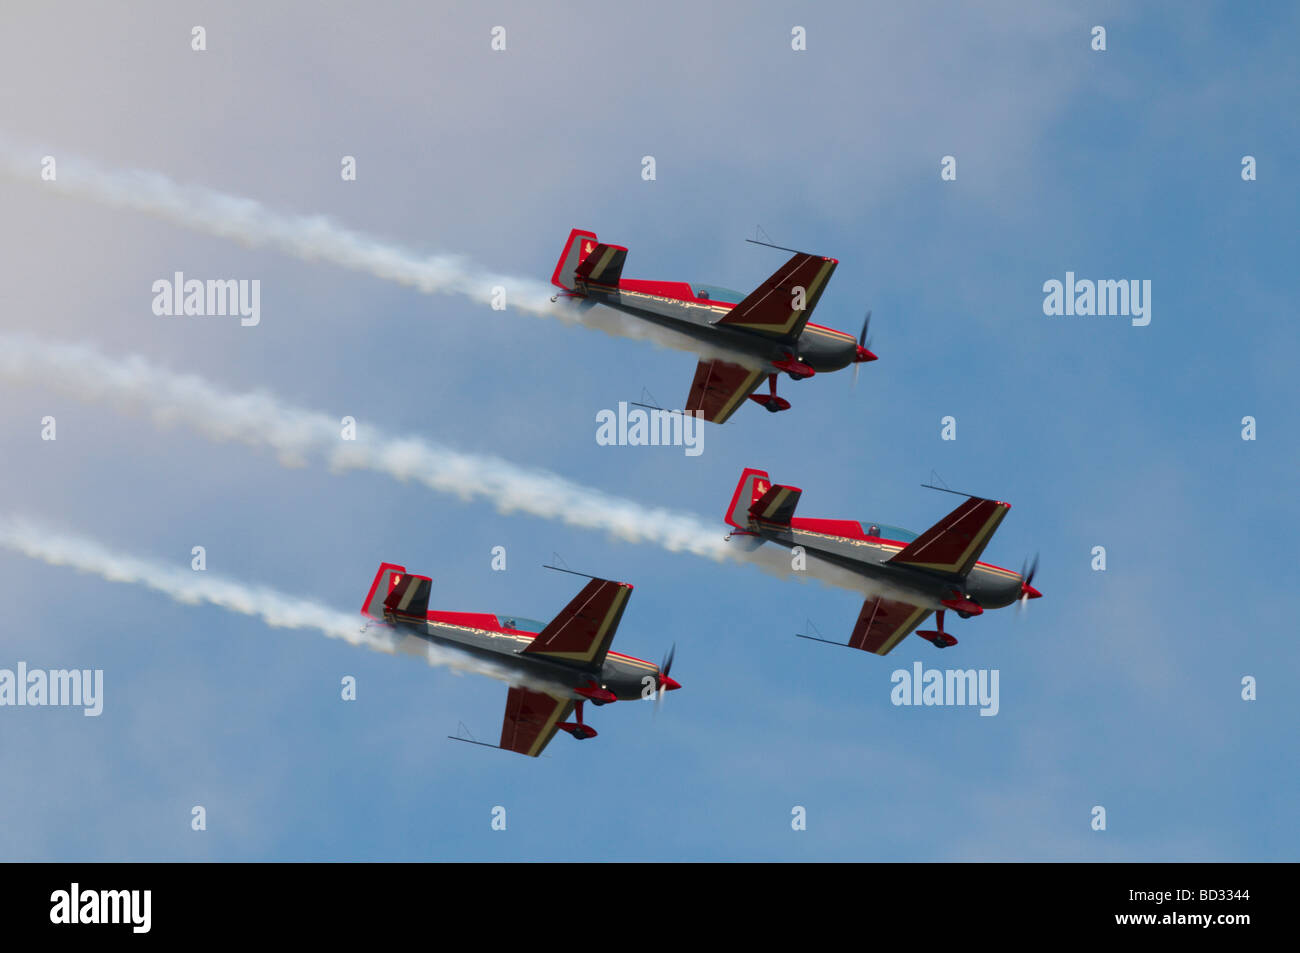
x,y
821,348
992,587
484,636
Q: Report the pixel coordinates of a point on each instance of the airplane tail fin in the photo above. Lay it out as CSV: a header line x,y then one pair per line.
x,y
753,484
380,588
580,244
397,592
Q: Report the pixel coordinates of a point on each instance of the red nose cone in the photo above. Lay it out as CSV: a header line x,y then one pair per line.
x,y
1030,591
863,355
668,683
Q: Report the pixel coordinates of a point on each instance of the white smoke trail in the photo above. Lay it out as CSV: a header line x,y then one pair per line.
x,y
300,436
318,238
276,609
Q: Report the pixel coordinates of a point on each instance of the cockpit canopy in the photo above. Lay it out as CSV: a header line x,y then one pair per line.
x,y
717,293
520,624
885,531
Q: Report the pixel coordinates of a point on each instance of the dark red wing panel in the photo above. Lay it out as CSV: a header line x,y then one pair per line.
x,y
883,623
603,265
955,542
777,504
409,598
530,720
782,304
583,630
720,388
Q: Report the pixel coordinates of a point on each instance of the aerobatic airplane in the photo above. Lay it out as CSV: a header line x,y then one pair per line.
x,y
769,326
934,572
571,653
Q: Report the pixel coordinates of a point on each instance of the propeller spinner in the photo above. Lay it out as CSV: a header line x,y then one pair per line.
x,y
665,683
1027,591
863,353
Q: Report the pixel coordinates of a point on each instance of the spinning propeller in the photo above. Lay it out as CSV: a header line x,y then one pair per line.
x,y
863,353
665,683
1027,591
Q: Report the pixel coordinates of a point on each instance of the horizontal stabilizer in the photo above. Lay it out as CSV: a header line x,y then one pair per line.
x,y
776,505
602,265
409,598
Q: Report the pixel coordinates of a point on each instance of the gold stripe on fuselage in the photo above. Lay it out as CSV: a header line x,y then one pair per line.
x,y
828,332
526,639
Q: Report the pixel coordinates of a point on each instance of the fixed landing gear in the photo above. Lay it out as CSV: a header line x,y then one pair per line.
x,y
770,401
937,637
578,729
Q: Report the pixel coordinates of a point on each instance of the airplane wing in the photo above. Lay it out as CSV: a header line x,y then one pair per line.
x,y
953,544
585,627
720,388
530,720
782,304
883,623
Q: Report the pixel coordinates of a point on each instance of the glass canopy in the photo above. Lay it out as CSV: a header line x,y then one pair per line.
x,y
519,623
886,531
717,293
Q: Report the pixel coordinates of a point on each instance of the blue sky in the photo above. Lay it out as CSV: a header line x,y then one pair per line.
x,y
1119,688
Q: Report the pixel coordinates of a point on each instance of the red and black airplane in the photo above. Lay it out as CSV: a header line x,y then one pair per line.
x,y
934,572
570,653
768,329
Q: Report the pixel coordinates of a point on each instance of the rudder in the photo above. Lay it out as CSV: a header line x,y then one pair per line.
x,y
753,484
380,588
580,243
